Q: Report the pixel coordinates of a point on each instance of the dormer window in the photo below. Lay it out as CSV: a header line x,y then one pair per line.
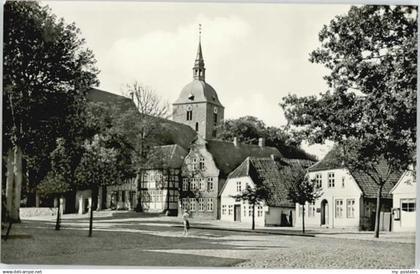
x,y
191,97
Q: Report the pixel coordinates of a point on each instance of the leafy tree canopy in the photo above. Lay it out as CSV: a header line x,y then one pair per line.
x,y
249,129
46,71
371,53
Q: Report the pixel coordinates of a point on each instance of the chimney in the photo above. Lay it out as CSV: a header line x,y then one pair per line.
x,y
235,141
261,142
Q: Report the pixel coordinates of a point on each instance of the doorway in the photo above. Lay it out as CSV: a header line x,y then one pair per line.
x,y
324,212
237,213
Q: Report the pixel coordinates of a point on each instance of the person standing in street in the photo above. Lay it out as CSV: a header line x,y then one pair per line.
x,y
186,222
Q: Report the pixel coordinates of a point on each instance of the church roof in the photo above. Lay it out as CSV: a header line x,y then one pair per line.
x,y
198,91
168,156
168,133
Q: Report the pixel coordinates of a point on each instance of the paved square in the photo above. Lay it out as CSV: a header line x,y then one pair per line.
x,y
159,242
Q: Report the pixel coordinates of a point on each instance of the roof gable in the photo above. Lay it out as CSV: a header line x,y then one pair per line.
x,y
227,156
168,156
405,184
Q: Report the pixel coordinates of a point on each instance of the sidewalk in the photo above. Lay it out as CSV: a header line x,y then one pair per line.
x,y
198,223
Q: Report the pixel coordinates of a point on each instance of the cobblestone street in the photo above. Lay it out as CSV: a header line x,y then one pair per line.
x,y
159,242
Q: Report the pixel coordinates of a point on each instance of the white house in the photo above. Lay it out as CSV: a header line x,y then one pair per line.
x,y
404,203
348,198
276,211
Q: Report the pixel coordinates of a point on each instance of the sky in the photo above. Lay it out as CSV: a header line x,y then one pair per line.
x,y
255,54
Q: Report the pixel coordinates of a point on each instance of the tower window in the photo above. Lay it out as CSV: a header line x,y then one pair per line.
x,y
189,115
196,126
215,119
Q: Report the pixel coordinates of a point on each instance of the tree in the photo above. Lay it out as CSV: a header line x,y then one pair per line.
x,y
301,189
370,107
60,178
102,165
149,110
47,70
255,196
249,129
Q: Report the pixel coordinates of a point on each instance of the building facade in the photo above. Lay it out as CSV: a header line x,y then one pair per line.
x,y
404,203
348,198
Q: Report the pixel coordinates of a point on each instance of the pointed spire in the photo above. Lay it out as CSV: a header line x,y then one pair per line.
x,y
199,69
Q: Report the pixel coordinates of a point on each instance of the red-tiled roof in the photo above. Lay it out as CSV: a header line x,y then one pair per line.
x,y
271,173
227,156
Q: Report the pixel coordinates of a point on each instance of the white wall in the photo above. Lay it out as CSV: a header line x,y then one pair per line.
x,y
350,190
405,189
226,201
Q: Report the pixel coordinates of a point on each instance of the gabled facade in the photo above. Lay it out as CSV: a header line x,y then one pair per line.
x,y
404,203
159,181
205,171
348,198
275,211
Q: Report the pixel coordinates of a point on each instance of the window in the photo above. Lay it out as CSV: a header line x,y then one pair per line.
x,y
318,180
342,181
215,119
123,196
196,126
210,184
250,207
201,204
311,209
202,163
185,184
339,208
238,187
192,205
193,184
259,211
331,179
350,208
189,115
408,205
300,209
210,204
230,210
244,210
194,164
223,209
184,203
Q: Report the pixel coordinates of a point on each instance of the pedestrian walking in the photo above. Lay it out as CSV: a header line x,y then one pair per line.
x,y
186,222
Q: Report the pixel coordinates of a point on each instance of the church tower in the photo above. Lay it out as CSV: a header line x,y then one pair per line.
x,y
198,105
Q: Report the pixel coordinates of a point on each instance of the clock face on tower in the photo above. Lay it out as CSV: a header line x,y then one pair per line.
x,y
215,110
189,107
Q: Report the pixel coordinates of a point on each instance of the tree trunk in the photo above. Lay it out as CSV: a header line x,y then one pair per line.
x,y
93,193
303,218
253,217
378,211
18,176
91,219
57,224
10,182
14,182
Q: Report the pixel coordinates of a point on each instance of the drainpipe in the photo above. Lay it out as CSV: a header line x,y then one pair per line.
x,y
333,212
